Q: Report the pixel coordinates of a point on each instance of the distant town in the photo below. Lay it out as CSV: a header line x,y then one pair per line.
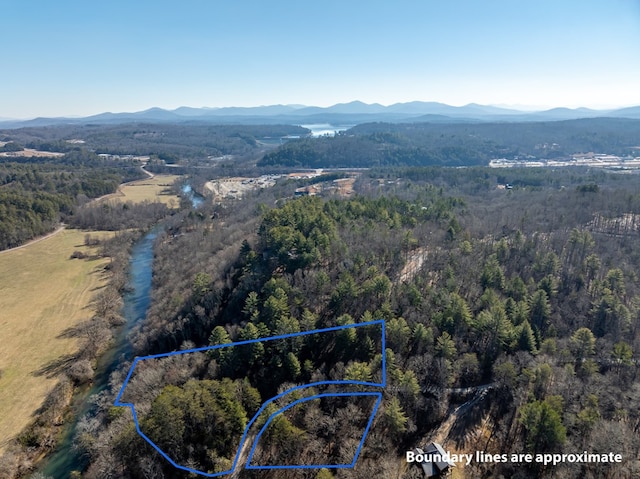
x,y
593,160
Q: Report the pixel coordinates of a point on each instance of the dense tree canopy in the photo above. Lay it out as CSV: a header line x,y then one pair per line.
x,y
424,144
520,305
36,193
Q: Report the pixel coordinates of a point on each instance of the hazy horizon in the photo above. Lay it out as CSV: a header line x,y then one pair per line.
x,y
519,108
76,58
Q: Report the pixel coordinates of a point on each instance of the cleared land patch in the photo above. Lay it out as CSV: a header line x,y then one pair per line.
x,y
29,153
42,293
154,189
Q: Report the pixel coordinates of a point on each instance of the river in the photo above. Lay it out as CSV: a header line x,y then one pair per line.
x,y
195,198
136,302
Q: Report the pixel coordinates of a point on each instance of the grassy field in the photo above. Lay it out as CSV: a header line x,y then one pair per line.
x,y
42,293
151,189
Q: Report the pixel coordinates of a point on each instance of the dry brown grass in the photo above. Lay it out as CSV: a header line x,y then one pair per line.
x,y
148,189
42,293
28,152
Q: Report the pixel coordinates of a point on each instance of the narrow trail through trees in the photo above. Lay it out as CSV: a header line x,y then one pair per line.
x,y
35,240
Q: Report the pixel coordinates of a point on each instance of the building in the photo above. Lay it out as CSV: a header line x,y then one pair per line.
x,y
436,463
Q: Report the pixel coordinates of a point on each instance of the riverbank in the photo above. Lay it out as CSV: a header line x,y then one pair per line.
x,y
155,188
35,240
65,459
48,366
44,293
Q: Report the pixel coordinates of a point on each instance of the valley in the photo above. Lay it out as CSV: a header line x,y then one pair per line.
x,y
501,305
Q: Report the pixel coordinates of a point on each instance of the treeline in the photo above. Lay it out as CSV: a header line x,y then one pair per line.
x,y
25,215
379,149
425,144
74,371
36,193
119,216
10,147
190,141
485,184
548,139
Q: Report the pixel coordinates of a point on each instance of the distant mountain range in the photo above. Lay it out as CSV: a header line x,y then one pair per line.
x,y
339,114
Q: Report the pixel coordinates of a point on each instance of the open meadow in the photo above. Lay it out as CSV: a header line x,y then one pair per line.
x,y
153,189
43,292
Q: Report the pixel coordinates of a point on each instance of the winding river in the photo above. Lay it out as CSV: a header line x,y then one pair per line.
x,y
136,302
66,458
195,198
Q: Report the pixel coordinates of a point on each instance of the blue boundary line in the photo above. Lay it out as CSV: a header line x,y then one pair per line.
x,y
382,384
317,466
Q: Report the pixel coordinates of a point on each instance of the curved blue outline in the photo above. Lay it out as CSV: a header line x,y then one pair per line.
x,y
382,384
317,466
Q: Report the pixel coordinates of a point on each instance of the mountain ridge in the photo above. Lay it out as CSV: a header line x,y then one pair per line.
x,y
340,113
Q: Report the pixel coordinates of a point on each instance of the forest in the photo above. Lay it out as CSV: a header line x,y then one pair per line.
x,y
426,144
520,304
171,141
36,194
511,315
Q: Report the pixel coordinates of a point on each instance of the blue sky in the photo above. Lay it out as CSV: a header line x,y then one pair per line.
x,y
80,57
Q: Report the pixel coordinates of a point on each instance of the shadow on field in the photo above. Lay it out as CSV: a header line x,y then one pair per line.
x,y
73,332
57,366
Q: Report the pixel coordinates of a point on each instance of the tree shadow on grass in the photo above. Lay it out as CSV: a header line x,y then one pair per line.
x,y
73,332
468,418
57,366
